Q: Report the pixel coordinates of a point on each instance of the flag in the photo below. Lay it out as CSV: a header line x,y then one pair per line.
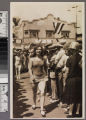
x,y
58,27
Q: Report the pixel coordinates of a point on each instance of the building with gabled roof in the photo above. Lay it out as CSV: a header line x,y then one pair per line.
x,y
44,29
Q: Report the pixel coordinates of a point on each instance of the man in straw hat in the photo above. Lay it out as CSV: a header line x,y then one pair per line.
x,y
62,72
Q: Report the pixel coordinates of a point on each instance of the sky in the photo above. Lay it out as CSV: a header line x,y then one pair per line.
x,y
35,10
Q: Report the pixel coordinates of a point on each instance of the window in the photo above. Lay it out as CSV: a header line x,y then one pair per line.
x,y
34,33
49,34
65,34
26,32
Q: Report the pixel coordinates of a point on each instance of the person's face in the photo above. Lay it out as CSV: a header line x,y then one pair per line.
x,y
31,52
66,52
38,51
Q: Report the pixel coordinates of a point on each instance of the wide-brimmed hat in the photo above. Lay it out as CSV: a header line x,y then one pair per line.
x,y
74,45
57,45
62,41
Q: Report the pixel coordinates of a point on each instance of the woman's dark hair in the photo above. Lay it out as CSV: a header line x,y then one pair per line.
x,y
33,51
37,46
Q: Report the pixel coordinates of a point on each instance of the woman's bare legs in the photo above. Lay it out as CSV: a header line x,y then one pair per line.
x,y
41,86
42,100
78,108
34,92
71,109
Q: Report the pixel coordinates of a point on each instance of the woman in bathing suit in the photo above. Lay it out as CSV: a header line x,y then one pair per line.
x,y
38,77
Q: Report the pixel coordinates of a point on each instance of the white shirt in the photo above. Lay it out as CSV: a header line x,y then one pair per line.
x,y
59,55
62,61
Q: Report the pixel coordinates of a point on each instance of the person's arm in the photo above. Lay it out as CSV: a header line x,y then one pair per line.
x,y
64,63
30,71
60,64
57,57
68,63
46,63
80,63
28,63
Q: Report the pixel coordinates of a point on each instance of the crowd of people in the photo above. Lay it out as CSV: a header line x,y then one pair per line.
x,y
55,71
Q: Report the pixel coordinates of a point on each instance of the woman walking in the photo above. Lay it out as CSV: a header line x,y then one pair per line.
x,y
38,77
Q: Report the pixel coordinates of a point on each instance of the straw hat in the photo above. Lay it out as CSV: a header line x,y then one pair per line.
x,y
74,45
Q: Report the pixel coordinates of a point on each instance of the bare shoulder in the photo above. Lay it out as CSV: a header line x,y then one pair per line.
x,y
31,59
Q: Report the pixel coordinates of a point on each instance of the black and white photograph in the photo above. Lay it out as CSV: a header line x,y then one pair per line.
x,y
3,61
47,60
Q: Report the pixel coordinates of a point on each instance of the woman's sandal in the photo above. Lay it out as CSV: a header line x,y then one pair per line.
x,y
43,113
33,107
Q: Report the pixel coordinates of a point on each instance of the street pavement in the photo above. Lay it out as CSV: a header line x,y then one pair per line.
x,y
23,100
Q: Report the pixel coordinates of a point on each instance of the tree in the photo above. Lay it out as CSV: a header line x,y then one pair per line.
x,y
16,20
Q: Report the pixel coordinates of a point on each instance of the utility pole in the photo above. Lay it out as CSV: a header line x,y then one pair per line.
x,y
76,20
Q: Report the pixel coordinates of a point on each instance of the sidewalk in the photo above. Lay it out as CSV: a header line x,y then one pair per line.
x,y
23,102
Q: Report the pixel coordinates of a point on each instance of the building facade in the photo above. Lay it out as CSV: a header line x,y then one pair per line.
x,y
48,29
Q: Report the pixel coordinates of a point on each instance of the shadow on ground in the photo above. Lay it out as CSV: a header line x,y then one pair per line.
x,y
51,106
19,105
